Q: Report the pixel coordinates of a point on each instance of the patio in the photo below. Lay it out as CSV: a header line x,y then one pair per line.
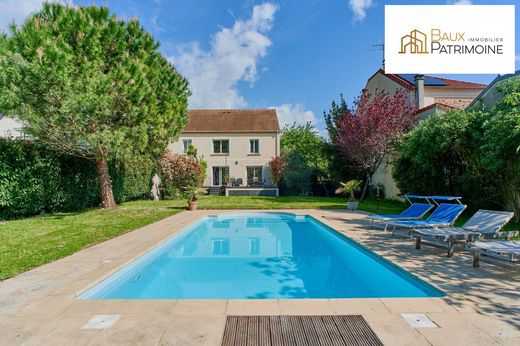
x,y
482,306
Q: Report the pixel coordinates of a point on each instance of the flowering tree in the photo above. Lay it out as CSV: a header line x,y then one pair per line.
x,y
367,132
179,172
277,165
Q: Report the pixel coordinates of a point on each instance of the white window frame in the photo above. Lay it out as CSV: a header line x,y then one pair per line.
x,y
220,146
251,141
184,146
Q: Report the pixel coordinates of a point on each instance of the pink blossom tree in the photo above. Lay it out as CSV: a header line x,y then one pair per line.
x,y
367,132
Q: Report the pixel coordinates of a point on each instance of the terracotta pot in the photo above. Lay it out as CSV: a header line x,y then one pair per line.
x,y
192,205
352,205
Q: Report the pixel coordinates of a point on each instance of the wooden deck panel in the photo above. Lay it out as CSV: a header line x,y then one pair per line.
x,y
298,330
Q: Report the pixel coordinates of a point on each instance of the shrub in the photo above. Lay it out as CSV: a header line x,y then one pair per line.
x,y
468,153
34,179
277,165
297,172
178,172
430,158
132,179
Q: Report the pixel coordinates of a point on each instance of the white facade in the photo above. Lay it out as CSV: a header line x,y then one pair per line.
x,y
239,162
10,127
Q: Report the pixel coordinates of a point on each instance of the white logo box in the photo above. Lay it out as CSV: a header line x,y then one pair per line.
x,y
485,29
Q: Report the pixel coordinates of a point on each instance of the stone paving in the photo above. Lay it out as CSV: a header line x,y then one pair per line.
x,y
482,306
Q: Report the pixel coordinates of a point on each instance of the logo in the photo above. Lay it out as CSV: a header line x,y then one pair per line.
x,y
415,42
428,39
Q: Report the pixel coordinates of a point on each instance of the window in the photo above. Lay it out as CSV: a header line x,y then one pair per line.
x,y
221,247
254,176
221,146
185,145
254,246
254,146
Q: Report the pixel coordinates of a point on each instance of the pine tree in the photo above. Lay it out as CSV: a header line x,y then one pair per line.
x,y
89,84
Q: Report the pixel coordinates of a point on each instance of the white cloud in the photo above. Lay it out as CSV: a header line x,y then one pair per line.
x,y
232,57
360,7
289,114
460,2
18,10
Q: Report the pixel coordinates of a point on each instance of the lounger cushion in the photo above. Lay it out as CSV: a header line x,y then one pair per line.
x,y
444,216
499,246
488,222
415,211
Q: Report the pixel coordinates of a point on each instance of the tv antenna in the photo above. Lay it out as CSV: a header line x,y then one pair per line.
x,y
380,47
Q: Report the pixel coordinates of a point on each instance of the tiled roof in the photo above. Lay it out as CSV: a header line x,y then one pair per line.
x,y
232,120
407,81
434,105
461,84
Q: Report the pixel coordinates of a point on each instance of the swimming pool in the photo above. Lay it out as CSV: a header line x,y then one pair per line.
x,y
259,256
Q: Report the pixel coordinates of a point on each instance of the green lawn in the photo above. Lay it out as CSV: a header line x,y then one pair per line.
x,y
293,202
30,242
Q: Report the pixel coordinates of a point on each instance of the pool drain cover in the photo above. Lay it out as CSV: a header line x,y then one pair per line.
x,y
419,320
101,322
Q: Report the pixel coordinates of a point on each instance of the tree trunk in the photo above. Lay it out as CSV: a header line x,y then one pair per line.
x,y
363,194
105,185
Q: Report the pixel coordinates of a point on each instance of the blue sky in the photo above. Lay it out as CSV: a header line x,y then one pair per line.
x,y
296,55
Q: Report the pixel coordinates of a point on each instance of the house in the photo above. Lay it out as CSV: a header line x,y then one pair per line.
x,y
11,128
237,146
430,95
490,95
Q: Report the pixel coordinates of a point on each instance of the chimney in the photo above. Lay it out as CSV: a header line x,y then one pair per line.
x,y
419,91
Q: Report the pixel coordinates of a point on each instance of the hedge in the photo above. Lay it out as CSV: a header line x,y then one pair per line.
x,y
36,180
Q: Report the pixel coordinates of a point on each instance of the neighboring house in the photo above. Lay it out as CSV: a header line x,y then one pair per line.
x,y
11,128
237,146
430,95
490,95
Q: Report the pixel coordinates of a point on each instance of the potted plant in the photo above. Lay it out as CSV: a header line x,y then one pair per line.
x,y
350,187
190,193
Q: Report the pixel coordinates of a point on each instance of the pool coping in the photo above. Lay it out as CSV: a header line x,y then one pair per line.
x,y
40,306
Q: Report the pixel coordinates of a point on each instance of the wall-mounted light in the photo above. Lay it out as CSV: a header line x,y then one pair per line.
x,y
236,162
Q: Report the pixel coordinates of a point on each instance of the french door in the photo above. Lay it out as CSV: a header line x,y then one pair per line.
x,y
220,175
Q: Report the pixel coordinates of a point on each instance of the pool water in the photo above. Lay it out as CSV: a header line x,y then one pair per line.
x,y
259,256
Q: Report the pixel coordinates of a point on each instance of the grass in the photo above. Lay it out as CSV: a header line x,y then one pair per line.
x,y
292,202
31,242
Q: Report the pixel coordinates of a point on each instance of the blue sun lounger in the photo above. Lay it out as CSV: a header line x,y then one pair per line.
x,y
414,212
444,216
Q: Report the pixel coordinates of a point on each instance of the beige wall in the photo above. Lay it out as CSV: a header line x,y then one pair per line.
x,y
381,82
383,176
10,128
433,92
239,156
